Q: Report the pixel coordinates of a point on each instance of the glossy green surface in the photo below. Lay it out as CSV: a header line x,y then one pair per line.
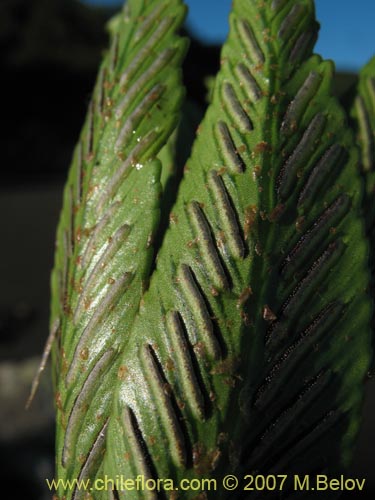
x,y
110,215
248,348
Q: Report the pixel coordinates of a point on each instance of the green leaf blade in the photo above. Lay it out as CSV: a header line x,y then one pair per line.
x,y
246,349
111,212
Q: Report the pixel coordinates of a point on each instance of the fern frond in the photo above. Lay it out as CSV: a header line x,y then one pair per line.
x,y
110,215
246,349
252,342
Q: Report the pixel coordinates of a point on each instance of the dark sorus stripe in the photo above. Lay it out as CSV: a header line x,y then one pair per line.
x,y
146,52
250,42
163,400
248,82
236,111
229,153
292,356
283,430
150,22
97,231
92,462
139,113
309,243
93,278
227,215
278,4
113,53
291,21
324,425
108,303
300,156
300,102
122,171
147,76
185,366
206,243
303,45
302,293
136,445
198,311
307,286
113,494
333,159
81,404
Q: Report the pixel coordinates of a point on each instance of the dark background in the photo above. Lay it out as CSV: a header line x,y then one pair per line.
x,y
49,52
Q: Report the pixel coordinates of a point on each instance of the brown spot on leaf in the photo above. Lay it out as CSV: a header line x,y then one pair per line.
x,y
212,396
276,212
221,239
58,400
84,354
262,147
299,223
205,461
173,219
181,404
257,170
87,303
78,234
199,349
250,217
228,366
245,318
258,249
245,294
122,372
169,364
268,314
222,171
